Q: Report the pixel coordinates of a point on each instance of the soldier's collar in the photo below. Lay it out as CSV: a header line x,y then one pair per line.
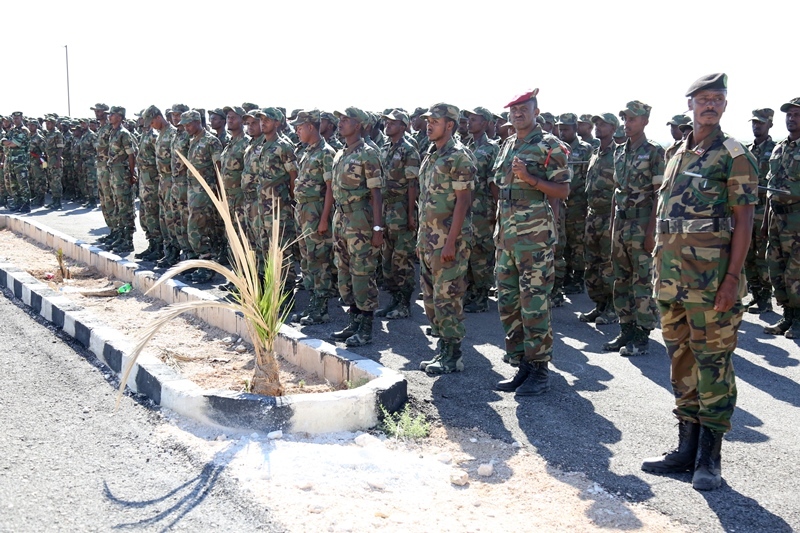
x,y
705,144
535,134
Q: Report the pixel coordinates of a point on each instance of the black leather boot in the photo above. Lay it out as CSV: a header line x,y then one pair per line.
x,y
510,385
682,458
538,380
708,465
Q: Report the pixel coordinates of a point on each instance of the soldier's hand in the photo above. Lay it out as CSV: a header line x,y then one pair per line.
x,y
132,179
412,223
726,294
649,244
377,239
518,168
322,227
449,251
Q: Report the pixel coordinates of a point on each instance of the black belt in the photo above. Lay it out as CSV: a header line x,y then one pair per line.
x,y
696,225
521,194
352,207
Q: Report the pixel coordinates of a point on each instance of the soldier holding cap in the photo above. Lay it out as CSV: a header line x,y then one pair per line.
x,y
705,217
121,167
638,172
530,173
783,224
756,265
16,143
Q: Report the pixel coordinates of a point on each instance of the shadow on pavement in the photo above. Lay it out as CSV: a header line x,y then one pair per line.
x,y
737,512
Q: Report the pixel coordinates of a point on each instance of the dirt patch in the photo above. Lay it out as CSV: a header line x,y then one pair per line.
x,y
209,356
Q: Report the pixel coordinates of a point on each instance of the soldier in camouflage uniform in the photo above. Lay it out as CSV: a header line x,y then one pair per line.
x,y
16,163
314,197
638,173
152,118
232,164
327,128
675,124
756,266
70,179
619,136
530,173
357,181
203,222
782,222
217,119
88,163
549,123
250,179
54,148
179,193
149,183
599,192
480,272
105,196
446,181
6,125
420,129
401,167
584,130
122,173
705,214
38,173
576,204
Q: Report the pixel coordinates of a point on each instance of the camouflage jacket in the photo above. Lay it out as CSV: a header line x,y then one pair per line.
x,y
275,162
204,153
163,149
485,152
86,147
525,217
250,165
423,143
334,143
762,152
356,170
101,142
700,185
670,152
53,142
784,172
314,172
146,155
69,149
224,138
580,152
120,146
232,162
37,149
19,157
180,143
443,172
401,167
638,173
600,179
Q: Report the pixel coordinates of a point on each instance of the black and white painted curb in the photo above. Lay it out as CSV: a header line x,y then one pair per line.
x,y
344,410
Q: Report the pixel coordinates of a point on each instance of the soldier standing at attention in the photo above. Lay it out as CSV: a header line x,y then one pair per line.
x,y
250,171
327,128
16,143
401,167
103,177
217,119
638,172
37,175
357,182
69,179
88,157
447,179
179,194
783,224
675,130
705,217
599,191
232,163
121,166
755,265
531,174
148,193
153,118
54,147
585,126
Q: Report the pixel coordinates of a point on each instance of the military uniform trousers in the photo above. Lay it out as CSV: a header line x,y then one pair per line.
x,y
90,177
525,278
559,263
203,223
316,251
633,286
597,256
105,196
55,178
756,266
149,211
355,257
480,273
165,214
575,234
179,202
398,246
443,285
37,178
784,257
122,197
251,223
700,343
17,184
267,203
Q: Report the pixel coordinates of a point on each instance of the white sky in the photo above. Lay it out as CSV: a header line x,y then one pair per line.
x,y
585,57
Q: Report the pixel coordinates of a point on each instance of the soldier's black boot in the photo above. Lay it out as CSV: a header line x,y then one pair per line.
x,y
608,315
510,385
155,253
538,380
794,330
592,315
640,345
682,458
708,465
351,328
761,303
25,207
575,284
626,334
403,309
391,306
363,336
449,360
424,364
170,258
123,245
150,246
783,324
479,303
318,314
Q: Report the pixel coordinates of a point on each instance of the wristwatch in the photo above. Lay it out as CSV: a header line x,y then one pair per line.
x,y
377,228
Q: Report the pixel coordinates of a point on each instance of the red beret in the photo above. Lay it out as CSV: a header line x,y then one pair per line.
x,y
522,98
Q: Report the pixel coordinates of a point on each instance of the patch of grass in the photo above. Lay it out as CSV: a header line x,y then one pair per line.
x,y
404,424
302,384
355,384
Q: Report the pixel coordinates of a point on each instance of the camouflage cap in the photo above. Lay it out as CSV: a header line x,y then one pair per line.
x,y
709,82
547,116
117,110
17,114
330,117
396,114
50,117
635,108
272,113
249,106
522,98
609,118
235,108
540,120
149,114
620,133
99,107
567,119
482,111
179,108
190,116
442,110
586,117
217,111
677,120
294,114
762,115
688,126
794,102
372,119
418,111
355,113
303,117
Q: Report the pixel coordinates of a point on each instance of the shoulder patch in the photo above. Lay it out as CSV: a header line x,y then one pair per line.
x,y
734,147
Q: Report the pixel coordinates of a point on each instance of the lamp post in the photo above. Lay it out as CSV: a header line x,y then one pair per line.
x,y
69,109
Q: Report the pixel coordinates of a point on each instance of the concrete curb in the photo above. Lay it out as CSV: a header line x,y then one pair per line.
x,y
345,410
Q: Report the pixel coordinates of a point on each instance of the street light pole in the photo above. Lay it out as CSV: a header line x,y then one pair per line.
x,y
69,109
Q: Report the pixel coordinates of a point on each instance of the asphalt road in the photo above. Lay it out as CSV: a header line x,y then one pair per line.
x,y
604,413
68,462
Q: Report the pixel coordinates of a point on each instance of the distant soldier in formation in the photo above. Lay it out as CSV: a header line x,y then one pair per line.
x,y
232,163
103,177
585,126
54,148
122,175
179,193
38,171
154,119
149,183
16,143
677,134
